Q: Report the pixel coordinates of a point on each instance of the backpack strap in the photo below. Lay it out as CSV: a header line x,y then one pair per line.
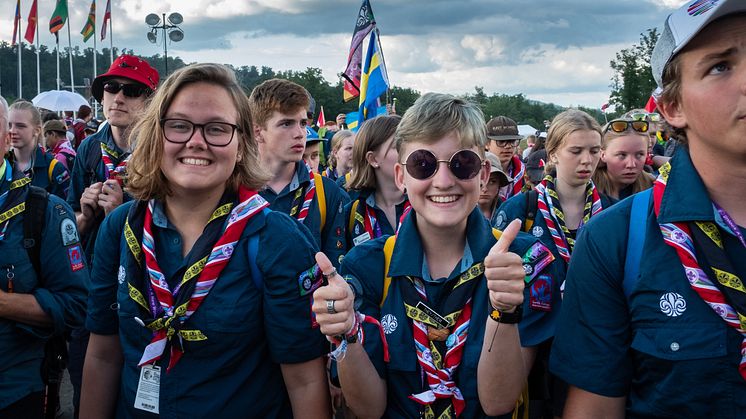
x,y
91,161
532,206
636,239
388,251
321,198
351,220
50,170
33,224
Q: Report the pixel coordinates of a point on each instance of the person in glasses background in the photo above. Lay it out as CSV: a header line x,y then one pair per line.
x,y
624,148
659,335
503,140
555,212
279,111
244,345
379,203
28,153
442,283
98,175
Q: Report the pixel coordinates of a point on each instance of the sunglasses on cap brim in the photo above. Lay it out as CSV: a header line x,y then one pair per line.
x,y
423,164
642,116
621,125
129,90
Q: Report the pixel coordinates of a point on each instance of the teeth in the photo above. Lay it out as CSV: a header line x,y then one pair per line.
x,y
195,162
443,199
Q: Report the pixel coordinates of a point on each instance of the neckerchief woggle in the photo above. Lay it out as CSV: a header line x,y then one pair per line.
x,y
299,209
549,206
171,309
710,273
114,171
438,359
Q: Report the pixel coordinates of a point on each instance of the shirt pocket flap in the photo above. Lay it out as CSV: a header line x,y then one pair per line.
x,y
675,344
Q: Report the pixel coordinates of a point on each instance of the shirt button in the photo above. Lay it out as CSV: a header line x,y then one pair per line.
x,y
675,346
176,241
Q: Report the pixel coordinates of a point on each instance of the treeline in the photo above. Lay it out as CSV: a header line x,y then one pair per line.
x,y
523,110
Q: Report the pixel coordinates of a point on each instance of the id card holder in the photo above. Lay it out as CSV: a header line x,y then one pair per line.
x,y
148,389
361,238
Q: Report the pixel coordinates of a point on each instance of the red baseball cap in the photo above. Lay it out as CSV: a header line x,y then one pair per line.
x,y
128,67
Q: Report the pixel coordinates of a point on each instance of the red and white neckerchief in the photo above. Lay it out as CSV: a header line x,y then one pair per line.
x,y
310,193
251,203
548,205
440,380
113,171
517,170
679,236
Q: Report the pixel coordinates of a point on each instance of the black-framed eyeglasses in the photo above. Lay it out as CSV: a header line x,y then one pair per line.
x,y
423,164
621,125
180,131
506,143
129,89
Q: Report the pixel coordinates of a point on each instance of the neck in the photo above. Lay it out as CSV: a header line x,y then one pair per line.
x,y
506,166
486,210
282,173
387,194
190,212
120,139
23,155
569,194
725,187
443,248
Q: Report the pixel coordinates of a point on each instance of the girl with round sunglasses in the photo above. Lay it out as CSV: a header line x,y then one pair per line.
x,y
555,213
28,154
624,148
424,322
652,324
199,302
376,211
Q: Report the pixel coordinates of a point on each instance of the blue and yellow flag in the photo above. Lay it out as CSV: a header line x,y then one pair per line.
x,y
374,81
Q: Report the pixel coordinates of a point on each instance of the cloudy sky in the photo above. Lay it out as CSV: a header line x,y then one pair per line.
x,y
550,50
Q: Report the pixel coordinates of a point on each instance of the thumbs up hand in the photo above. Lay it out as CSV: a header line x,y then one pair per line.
x,y
334,303
504,272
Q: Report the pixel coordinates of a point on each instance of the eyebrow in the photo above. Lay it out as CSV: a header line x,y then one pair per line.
x,y
179,115
716,56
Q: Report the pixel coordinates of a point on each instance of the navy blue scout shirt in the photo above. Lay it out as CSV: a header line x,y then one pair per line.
x,y
542,298
364,268
368,198
61,294
56,183
235,372
663,347
331,240
84,175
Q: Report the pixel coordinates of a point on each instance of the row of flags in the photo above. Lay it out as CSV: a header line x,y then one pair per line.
x,y
370,81
57,21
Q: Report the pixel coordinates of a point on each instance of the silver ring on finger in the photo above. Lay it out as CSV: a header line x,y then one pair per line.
x,y
330,307
330,274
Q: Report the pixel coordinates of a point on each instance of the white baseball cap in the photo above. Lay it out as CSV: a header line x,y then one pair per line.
x,y
683,25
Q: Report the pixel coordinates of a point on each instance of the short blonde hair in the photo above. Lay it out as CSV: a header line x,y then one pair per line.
x,y
371,136
145,177
435,115
562,126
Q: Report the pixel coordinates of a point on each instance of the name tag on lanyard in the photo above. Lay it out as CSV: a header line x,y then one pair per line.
x,y
361,238
148,389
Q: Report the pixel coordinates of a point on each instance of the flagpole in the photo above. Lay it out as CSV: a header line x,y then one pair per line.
x,y
70,56
20,51
57,36
95,71
111,38
38,76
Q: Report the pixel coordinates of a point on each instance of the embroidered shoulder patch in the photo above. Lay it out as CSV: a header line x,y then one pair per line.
x,y
535,260
310,280
75,255
68,232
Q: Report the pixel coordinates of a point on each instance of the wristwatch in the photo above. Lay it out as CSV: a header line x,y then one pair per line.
x,y
507,318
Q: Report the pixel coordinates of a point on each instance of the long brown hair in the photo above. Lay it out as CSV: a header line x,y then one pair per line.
x,y
145,177
371,136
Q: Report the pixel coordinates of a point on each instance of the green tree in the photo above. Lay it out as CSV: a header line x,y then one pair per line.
x,y
632,82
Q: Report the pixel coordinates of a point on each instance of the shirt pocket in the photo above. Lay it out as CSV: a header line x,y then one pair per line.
x,y
681,344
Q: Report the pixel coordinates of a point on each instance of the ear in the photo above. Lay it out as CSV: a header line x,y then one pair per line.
x,y
371,159
674,114
399,177
258,133
484,174
603,155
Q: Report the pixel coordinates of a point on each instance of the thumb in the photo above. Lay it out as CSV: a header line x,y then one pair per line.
x,y
326,266
507,237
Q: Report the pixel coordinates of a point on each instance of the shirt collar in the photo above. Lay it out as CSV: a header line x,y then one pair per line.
x,y
159,215
408,256
685,197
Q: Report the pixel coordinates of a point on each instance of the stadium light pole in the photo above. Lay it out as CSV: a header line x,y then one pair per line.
x,y
171,30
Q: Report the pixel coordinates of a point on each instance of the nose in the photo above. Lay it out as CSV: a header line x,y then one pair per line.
x,y
197,140
630,162
443,177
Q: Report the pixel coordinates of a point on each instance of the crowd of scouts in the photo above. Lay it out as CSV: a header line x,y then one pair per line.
x,y
205,263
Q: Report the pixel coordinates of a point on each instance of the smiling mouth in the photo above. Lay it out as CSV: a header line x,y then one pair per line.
x,y
194,162
444,199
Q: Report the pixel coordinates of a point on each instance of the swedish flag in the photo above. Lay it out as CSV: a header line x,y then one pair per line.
x,y
374,81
